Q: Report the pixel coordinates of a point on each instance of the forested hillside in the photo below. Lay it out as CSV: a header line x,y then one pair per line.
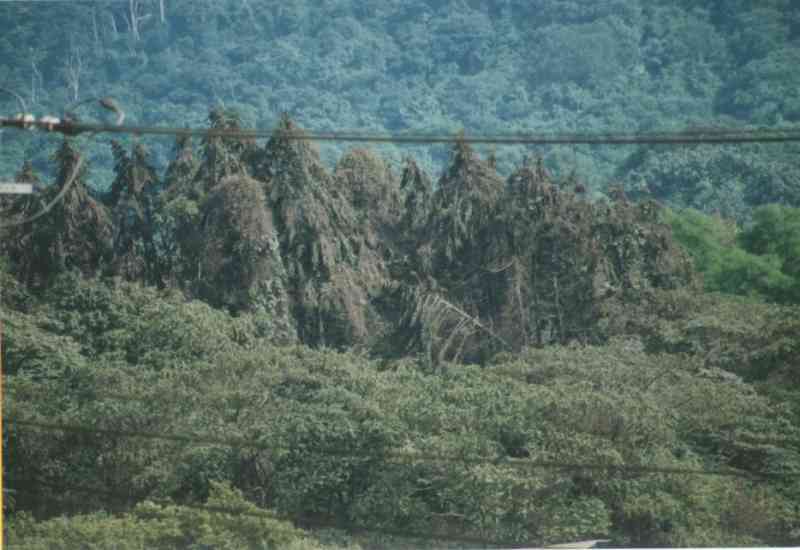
x,y
432,66
369,350
238,343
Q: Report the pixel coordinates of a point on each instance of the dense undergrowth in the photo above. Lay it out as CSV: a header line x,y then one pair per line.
x,y
256,344
361,350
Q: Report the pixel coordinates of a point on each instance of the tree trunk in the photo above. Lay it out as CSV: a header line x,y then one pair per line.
x,y
250,13
95,32
113,21
36,82
73,71
559,311
133,19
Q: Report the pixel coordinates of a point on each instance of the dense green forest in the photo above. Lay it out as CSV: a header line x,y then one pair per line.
x,y
230,343
434,66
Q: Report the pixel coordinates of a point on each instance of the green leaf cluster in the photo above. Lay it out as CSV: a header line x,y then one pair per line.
x,y
760,260
336,436
149,525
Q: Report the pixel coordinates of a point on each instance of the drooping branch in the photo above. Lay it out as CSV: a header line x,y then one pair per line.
x,y
444,329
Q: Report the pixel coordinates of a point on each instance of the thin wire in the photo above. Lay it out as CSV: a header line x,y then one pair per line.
x,y
400,456
49,124
728,438
709,136
64,189
264,513
21,101
27,391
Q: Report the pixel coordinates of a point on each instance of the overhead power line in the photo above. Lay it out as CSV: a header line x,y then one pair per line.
x,y
688,137
72,127
400,456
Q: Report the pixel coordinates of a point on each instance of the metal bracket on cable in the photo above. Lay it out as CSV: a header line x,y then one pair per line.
x,y
26,121
68,125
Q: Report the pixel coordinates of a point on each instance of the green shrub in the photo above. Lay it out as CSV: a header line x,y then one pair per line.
x,y
226,522
762,261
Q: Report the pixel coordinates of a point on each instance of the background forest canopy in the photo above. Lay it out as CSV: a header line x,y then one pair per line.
x,y
323,323
430,66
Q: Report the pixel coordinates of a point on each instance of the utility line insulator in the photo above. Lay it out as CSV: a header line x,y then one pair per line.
x,y
48,123
25,121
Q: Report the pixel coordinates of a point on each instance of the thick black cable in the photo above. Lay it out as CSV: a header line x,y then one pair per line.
x,y
688,137
400,457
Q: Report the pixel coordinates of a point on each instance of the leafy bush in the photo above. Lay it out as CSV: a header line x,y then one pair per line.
x,y
226,522
318,434
775,231
757,262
